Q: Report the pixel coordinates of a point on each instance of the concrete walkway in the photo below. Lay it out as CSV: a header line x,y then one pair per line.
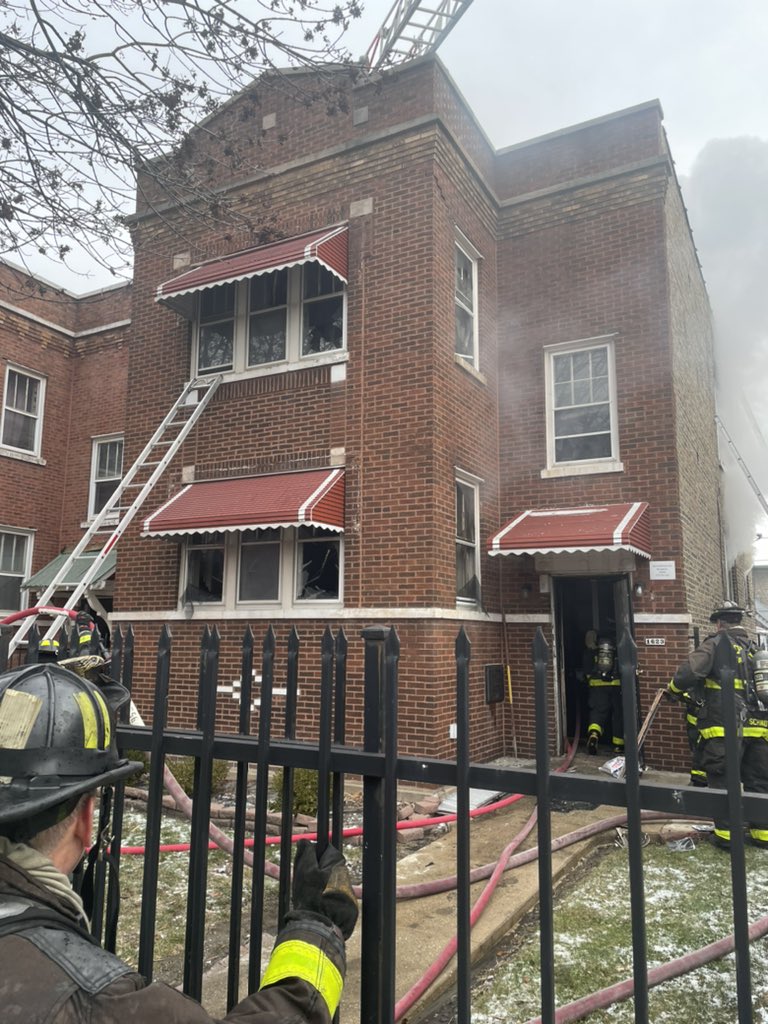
x,y
426,925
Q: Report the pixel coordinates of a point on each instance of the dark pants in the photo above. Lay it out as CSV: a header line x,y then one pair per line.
x,y
753,763
606,716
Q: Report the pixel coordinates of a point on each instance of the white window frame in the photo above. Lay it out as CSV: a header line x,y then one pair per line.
x,y
288,580
96,443
607,464
28,536
294,359
464,246
41,381
472,482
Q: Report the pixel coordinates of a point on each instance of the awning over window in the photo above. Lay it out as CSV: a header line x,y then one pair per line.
x,y
45,576
327,247
311,498
593,528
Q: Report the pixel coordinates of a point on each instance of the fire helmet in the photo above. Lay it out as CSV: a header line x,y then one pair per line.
x,y
728,611
57,741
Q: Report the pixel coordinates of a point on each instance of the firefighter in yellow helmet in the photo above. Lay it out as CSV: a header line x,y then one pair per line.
x,y
57,748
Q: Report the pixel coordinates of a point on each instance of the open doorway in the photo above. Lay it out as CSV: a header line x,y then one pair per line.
x,y
584,605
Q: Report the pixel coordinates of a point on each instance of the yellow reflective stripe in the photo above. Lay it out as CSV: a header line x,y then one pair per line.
x,y
712,732
755,732
759,833
295,959
723,833
605,682
595,728
90,725
710,684
673,688
692,719
104,719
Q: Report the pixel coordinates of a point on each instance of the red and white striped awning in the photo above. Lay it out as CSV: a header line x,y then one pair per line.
x,y
622,527
327,247
313,497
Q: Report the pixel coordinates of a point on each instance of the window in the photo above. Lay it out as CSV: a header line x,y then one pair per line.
x,y
467,551
23,411
15,558
582,425
281,317
106,472
286,566
466,258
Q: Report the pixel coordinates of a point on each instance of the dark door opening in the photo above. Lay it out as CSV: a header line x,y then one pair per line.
x,y
584,605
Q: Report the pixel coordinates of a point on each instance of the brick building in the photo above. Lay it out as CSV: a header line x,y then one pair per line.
x,y
64,378
454,381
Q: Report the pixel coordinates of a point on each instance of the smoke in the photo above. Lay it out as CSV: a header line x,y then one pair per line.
x,y
727,197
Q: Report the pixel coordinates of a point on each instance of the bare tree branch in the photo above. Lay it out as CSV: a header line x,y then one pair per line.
x,y
93,90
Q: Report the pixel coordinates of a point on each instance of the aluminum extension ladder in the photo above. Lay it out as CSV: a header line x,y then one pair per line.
x,y
169,436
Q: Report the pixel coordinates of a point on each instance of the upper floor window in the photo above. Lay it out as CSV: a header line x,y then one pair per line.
x,y
466,258
23,411
106,472
581,400
284,566
467,543
15,558
280,317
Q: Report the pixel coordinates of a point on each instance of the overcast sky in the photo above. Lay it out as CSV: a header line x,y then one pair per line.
x,y
527,67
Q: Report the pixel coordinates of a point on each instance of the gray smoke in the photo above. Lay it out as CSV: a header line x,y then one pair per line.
x,y
727,198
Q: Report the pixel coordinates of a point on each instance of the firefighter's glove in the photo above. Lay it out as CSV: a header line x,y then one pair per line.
x,y
84,626
323,886
670,695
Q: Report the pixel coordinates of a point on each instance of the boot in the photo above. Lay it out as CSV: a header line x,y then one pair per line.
x,y
592,740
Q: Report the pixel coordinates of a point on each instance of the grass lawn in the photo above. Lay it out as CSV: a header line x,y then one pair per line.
x,y
688,905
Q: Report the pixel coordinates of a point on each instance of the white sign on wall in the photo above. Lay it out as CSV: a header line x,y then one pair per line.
x,y
663,571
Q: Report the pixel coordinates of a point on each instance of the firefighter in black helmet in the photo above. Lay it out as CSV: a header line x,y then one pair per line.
x,y
606,715
696,679
57,747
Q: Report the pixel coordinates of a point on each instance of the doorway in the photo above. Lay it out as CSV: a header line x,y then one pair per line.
x,y
599,605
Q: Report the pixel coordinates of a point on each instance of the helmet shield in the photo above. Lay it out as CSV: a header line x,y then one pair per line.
x,y
57,739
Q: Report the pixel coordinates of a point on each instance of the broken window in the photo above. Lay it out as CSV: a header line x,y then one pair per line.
x,y
467,552
205,568
318,564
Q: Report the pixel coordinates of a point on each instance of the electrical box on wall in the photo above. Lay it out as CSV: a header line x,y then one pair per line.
x,y
494,684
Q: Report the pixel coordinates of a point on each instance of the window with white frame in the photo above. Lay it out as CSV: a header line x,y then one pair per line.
x,y
466,258
283,317
106,471
285,567
581,400
15,560
22,411
467,543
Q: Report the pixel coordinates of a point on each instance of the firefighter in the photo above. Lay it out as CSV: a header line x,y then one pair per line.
x,y
605,708
59,731
695,678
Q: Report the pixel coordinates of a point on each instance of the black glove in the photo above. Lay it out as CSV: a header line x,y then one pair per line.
x,y
672,696
323,886
84,627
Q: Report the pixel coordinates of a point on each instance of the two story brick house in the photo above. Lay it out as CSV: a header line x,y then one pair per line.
x,y
459,386
64,365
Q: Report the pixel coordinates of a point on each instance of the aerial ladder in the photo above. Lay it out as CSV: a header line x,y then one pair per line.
x,y
413,29
750,479
136,485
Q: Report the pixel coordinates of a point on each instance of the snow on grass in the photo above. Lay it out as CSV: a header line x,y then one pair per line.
x,y
687,905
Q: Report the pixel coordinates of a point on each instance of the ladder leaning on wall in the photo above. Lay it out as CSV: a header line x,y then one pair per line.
x,y
138,482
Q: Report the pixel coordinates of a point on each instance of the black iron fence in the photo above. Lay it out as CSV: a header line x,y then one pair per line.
x,y
380,768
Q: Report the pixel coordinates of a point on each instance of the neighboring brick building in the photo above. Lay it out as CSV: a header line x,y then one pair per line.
x,y
64,371
421,339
